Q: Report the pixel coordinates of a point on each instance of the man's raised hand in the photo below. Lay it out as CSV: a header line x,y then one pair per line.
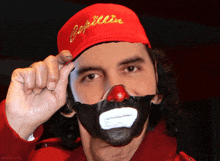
x,y
37,92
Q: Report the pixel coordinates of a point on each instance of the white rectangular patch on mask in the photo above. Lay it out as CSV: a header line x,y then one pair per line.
x,y
117,118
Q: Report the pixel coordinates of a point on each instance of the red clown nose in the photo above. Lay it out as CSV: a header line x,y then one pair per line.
x,y
117,94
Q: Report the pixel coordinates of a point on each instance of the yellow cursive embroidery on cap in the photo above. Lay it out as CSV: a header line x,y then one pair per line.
x,y
96,20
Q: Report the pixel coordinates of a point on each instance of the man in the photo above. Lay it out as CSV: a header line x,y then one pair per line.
x,y
115,87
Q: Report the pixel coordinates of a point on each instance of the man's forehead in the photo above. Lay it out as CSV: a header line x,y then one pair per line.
x,y
112,51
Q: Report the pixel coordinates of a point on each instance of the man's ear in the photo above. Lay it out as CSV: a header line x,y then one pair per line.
x,y
71,114
157,99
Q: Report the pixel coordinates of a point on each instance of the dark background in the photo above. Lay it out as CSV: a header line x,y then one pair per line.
x,y
188,30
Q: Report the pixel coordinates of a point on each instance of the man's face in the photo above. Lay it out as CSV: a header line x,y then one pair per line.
x,y
103,66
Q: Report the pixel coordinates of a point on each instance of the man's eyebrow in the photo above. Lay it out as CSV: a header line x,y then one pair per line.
x,y
135,59
86,69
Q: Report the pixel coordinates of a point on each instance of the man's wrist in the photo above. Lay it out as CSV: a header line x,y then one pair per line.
x,y
21,128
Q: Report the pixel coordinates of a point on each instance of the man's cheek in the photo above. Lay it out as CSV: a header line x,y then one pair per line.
x,y
146,87
88,95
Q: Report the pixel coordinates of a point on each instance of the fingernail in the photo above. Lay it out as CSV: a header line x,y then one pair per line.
x,y
66,52
68,55
51,86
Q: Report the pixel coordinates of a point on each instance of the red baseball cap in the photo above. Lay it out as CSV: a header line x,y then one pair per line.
x,y
100,23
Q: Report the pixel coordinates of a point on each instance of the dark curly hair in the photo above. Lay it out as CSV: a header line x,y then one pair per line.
x,y
67,128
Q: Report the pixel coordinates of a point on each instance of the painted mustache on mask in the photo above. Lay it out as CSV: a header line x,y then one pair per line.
x,y
115,121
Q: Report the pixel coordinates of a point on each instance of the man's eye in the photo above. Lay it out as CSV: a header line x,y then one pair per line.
x,y
131,69
91,77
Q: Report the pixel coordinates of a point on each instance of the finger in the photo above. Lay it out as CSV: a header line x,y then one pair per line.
x,y
25,76
52,71
63,57
29,80
62,83
41,76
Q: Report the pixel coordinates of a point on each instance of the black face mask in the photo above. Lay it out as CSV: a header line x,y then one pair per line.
x,y
116,123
